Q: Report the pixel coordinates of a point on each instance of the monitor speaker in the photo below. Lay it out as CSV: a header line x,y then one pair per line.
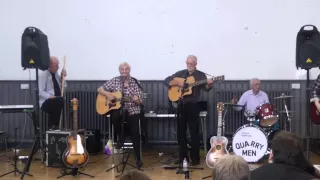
x,y
308,47
34,49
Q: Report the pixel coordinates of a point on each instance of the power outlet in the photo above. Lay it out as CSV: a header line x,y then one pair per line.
x,y
24,86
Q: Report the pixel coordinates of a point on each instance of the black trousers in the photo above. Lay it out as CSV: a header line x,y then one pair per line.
x,y
188,114
131,127
53,107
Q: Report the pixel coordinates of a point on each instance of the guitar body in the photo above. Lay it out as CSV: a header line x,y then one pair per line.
x,y
218,149
176,92
103,105
75,156
314,114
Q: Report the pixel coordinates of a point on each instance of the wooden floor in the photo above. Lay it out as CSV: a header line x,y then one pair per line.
x,y
99,163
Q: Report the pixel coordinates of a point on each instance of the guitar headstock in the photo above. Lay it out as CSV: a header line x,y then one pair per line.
x,y
220,106
219,78
75,104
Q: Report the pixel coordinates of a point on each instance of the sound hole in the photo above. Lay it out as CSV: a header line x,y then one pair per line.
x,y
218,147
111,105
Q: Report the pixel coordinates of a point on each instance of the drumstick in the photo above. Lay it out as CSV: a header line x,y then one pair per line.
x,y
62,89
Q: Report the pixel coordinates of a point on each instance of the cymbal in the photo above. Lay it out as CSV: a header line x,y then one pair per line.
x,y
283,97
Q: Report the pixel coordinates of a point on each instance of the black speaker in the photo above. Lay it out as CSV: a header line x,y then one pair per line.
x,y
308,47
93,141
34,49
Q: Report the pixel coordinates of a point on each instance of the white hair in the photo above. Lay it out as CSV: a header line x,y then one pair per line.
x,y
252,80
125,64
193,57
231,167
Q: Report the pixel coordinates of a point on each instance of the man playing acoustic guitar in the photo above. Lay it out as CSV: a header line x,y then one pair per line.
x,y
190,109
131,107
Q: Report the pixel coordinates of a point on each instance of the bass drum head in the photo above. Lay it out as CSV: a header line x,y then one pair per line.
x,y
250,142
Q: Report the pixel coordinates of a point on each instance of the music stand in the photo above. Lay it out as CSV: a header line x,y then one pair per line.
x,y
124,161
37,143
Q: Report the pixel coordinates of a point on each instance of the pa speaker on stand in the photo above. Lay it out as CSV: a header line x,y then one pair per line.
x,y
308,57
35,55
34,49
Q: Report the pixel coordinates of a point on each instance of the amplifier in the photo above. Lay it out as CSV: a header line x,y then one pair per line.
x,y
94,145
56,141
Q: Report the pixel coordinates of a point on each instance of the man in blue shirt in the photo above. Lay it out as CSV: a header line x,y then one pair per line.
x,y
252,98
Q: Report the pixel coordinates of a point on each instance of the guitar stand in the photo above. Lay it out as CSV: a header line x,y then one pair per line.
x,y
16,170
73,172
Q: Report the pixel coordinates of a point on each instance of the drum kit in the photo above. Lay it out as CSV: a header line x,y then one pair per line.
x,y
251,140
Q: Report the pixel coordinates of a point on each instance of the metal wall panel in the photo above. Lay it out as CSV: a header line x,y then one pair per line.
x,y
162,129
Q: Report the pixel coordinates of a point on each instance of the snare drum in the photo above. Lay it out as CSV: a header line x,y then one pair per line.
x,y
251,142
266,115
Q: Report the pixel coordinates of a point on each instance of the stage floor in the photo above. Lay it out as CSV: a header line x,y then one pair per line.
x,y
99,163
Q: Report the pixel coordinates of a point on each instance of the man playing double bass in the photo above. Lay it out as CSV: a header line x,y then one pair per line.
x,y
188,111
50,99
129,87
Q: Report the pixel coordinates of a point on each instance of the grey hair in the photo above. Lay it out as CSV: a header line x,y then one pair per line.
x,y
125,64
231,167
253,79
195,59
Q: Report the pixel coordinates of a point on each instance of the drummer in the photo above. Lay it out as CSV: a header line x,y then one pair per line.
x,y
252,98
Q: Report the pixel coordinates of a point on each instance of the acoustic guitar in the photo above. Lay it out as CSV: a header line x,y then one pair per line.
x,y
218,143
314,112
104,105
75,156
176,92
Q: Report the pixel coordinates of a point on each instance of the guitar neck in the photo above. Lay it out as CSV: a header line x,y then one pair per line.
x,y
198,83
219,123
75,122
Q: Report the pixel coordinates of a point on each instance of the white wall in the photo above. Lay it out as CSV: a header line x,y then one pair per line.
x,y
240,39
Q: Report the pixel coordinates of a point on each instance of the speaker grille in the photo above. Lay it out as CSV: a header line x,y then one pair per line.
x,y
309,55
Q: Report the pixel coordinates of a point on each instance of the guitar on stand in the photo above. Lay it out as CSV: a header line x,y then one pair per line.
x,y
63,113
218,143
176,92
75,156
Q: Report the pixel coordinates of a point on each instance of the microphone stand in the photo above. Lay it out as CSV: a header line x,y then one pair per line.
x,y
124,161
181,139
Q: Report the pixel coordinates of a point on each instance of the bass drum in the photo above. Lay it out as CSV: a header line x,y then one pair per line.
x,y
250,142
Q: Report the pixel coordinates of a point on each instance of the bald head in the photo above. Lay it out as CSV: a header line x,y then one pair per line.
x,y
54,64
